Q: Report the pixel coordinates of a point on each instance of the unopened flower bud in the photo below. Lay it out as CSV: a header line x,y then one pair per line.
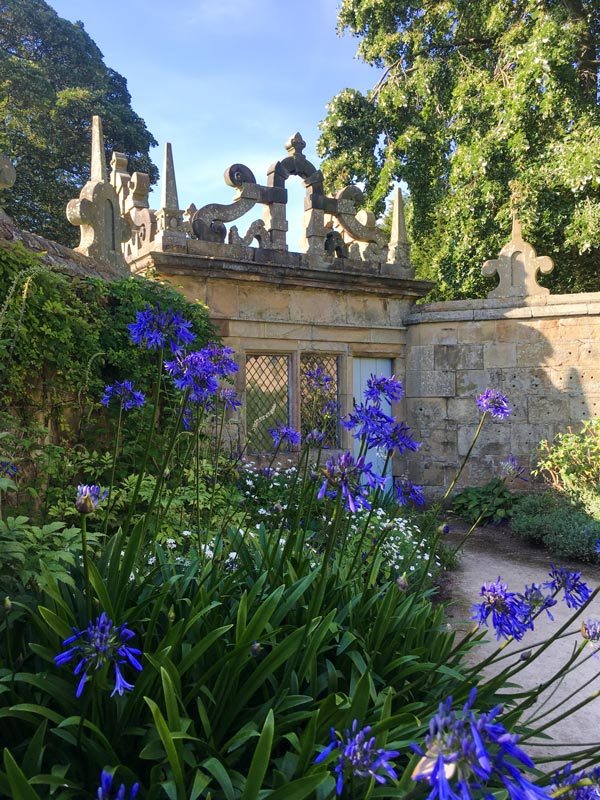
x,y
525,656
171,615
444,529
7,604
402,582
256,649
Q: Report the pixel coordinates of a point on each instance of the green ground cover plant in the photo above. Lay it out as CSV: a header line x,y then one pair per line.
x,y
285,655
564,528
571,464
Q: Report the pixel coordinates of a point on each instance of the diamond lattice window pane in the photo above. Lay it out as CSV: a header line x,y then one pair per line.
x,y
319,401
267,399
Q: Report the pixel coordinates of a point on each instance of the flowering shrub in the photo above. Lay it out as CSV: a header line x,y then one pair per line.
x,y
284,646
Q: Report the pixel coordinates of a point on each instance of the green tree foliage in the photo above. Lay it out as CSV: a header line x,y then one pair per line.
x,y
480,106
52,80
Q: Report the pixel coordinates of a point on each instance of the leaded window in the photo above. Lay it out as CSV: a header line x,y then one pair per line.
x,y
319,396
267,399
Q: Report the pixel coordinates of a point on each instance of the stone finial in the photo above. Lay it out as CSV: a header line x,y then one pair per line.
x,y
295,144
8,176
168,216
398,250
517,266
98,160
97,211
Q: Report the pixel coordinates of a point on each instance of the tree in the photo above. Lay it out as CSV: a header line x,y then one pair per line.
x,y
481,107
52,80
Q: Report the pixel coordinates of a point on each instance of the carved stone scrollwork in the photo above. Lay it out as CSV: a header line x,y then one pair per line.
x,y
359,226
334,244
208,221
257,230
238,174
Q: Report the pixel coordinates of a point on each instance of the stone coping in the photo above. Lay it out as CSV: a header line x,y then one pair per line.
x,y
288,269
58,257
534,306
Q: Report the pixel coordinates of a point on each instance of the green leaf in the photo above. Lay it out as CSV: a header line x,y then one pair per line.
x,y
260,760
169,745
20,788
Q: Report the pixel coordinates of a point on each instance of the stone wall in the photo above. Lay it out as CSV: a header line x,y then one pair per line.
x,y
543,353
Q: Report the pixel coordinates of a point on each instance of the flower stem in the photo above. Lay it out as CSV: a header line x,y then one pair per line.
x,y
86,565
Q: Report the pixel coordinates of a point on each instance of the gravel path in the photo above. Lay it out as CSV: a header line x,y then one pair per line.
x,y
491,552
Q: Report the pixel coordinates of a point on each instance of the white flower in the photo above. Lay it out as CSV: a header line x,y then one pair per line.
x,y
171,544
186,533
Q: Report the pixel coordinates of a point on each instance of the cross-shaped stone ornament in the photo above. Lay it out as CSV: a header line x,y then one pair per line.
x,y
97,210
517,266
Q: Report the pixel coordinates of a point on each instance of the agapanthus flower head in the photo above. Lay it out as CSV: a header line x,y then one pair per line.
x,y
88,497
8,469
315,437
229,398
154,328
99,645
221,358
381,387
511,469
124,392
494,403
597,547
408,492
196,373
106,786
353,478
359,757
283,435
538,600
576,591
469,752
510,614
590,630
318,380
571,785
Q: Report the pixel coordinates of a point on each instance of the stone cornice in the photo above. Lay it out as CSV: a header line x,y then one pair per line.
x,y
349,276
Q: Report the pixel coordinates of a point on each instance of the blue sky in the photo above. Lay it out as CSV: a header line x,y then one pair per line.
x,y
226,81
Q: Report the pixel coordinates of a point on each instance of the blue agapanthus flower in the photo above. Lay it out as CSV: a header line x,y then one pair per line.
x,y
229,398
511,469
353,478
582,785
99,645
597,546
318,380
383,388
510,613
196,373
576,591
88,497
154,328
283,434
124,392
590,631
221,358
467,754
408,492
494,403
8,469
359,757
538,600
106,786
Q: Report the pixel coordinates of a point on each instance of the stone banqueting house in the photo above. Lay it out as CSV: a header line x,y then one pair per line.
x,y
347,302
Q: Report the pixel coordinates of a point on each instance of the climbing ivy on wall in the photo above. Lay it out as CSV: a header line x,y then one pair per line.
x,y
62,339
